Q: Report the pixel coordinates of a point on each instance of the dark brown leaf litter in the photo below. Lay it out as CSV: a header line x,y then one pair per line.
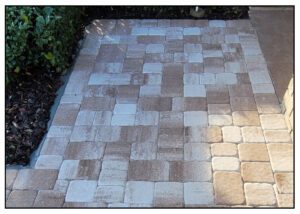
x,y
27,111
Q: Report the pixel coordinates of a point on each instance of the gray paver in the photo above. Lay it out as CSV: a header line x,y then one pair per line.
x,y
81,191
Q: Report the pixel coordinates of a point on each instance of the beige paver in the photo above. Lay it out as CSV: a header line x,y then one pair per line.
x,y
259,194
245,118
223,149
284,182
231,134
228,188
225,164
257,172
252,134
281,156
253,152
277,136
272,121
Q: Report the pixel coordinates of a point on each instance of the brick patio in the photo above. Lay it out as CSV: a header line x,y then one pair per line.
x,y
163,113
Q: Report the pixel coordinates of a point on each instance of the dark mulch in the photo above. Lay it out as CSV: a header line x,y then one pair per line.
x,y
27,107
165,12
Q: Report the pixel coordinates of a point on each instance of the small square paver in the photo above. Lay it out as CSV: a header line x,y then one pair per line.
x,y
196,151
195,118
217,94
259,194
231,134
117,151
272,121
207,78
190,79
223,149
195,104
281,156
257,172
285,200
81,191
253,152
194,91
139,192
49,198
168,194
171,138
252,134
108,134
219,120
152,79
150,91
65,115
245,118
228,187
225,163
61,186
198,194
242,90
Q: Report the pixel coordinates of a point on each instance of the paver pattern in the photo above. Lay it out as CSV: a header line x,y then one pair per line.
x,y
163,113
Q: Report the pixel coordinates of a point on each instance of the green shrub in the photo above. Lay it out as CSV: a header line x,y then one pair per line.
x,y
39,38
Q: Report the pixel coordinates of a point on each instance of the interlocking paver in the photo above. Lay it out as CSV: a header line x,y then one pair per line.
x,y
259,194
281,156
198,194
164,101
139,192
225,164
228,188
168,194
10,176
81,191
49,198
257,172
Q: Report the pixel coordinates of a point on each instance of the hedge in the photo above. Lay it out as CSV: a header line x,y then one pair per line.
x,y
39,38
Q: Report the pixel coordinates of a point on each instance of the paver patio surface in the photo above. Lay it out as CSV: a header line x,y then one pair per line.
x,y
163,113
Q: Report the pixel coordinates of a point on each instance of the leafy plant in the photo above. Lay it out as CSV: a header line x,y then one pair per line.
x,y
39,38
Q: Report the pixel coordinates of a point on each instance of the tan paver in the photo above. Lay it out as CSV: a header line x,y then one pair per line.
x,y
228,188
168,194
231,134
277,136
223,149
49,198
257,172
259,194
272,121
281,156
245,118
253,152
252,134
225,164
284,182
21,198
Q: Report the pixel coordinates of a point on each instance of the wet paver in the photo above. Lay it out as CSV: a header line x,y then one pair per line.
x,y
163,113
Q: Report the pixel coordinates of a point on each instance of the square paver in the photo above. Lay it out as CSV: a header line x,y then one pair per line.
x,y
272,121
245,118
83,133
195,118
140,192
198,193
81,191
196,151
219,120
257,172
21,198
252,134
253,152
168,194
143,151
284,182
259,194
110,194
281,156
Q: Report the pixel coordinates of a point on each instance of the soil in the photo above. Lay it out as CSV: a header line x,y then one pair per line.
x,y
27,111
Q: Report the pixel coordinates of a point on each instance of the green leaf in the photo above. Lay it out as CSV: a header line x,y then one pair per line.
x,y
17,69
49,56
